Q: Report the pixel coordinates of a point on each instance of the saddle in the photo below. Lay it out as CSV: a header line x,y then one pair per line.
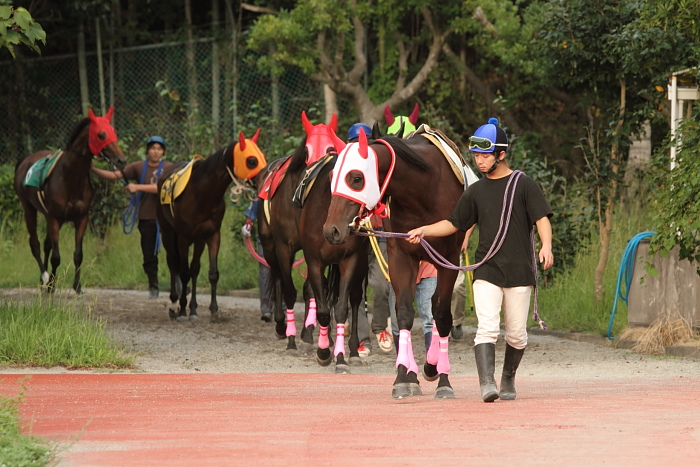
x,y
40,170
175,184
276,171
462,171
310,175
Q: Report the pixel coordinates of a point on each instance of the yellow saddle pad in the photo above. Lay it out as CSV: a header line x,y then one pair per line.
x,y
175,184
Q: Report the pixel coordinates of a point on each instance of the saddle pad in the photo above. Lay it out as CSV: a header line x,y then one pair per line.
x,y
276,171
40,170
175,184
462,171
307,181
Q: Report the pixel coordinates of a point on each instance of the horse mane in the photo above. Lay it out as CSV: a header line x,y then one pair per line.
x,y
77,131
298,161
215,157
405,152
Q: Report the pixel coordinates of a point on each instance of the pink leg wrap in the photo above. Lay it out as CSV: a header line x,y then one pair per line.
x,y
443,365
402,355
412,365
291,327
311,317
433,354
339,339
323,341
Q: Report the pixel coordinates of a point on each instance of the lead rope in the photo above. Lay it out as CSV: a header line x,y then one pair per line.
x,y
508,200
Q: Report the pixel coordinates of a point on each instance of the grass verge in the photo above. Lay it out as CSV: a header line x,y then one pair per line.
x,y
48,331
15,448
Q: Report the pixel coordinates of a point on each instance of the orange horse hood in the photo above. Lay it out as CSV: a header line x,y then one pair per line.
x,y
248,159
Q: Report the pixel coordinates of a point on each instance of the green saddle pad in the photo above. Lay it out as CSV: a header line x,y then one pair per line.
x,y
40,170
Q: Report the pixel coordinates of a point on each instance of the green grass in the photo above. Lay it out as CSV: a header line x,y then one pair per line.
x,y
47,332
569,304
17,449
116,261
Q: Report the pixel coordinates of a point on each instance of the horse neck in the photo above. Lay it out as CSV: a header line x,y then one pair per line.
x,y
74,165
218,167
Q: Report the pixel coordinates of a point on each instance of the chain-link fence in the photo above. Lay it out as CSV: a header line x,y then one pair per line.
x,y
197,104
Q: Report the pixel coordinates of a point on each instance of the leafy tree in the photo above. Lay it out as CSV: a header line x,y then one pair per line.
x,y
18,27
605,53
330,42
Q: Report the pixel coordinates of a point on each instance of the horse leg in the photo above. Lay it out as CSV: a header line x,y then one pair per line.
x,y
307,332
356,295
53,228
80,227
30,214
406,383
213,248
195,266
183,247
317,284
443,326
290,295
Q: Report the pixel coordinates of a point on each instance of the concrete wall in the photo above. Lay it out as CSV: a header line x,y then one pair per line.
x,y
676,288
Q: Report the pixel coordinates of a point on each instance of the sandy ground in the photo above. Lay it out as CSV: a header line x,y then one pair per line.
x,y
239,342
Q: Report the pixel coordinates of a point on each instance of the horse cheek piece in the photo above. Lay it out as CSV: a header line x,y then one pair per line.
x,y
409,170
66,194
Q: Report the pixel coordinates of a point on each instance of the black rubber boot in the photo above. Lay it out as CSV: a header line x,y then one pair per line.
x,y
485,361
510,365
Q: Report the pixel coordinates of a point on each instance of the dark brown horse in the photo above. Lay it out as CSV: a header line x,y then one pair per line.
x,y
285,228
66,195
348,267
194,217
423,189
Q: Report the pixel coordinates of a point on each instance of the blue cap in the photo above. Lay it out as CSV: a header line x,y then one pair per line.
x,y
155,139
354,131
494,133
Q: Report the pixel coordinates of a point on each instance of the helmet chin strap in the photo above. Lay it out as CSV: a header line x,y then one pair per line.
x,y
493,167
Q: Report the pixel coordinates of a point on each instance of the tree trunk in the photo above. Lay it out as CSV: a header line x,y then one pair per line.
x,y
215,74
191,67
606,224
330,101
100,66
82,71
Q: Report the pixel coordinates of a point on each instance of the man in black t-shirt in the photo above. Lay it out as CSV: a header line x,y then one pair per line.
x,y
507,277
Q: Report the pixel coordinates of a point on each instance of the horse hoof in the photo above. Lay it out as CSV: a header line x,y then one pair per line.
x,y
444,392
305,347
194,318
430,372
356,361
172,314
324,357
182,319
292,352
342,369
402,390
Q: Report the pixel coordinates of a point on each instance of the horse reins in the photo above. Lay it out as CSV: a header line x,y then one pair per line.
x,y
508,201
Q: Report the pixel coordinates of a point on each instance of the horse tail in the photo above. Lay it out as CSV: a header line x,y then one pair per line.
x,y
333,290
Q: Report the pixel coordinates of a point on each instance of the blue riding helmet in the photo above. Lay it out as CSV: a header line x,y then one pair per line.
x,y
488,138
155,139
354,131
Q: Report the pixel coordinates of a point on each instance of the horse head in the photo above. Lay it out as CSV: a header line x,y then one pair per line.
x,y
355,190
321,139
102,139
248,159
400,126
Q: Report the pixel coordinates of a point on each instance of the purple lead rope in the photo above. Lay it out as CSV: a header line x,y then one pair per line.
x,y
508,200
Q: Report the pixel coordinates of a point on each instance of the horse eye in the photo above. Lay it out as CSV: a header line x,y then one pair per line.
x,y
251,162
355,181
102,135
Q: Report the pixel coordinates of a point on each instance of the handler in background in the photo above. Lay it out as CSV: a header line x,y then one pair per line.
x,y
507,279
143,178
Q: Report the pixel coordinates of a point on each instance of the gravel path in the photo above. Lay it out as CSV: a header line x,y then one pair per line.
x,y
239,342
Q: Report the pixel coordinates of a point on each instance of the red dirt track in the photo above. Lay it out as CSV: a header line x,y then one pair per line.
x,y
317,419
